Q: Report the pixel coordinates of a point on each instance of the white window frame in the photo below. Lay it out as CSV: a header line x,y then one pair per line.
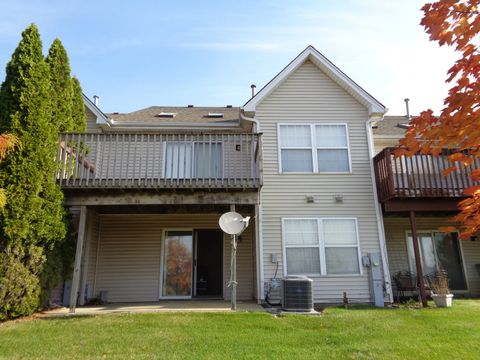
x,y
321,246
313,148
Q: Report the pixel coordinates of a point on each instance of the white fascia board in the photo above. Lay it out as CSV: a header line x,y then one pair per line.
x,y
310,53
102,119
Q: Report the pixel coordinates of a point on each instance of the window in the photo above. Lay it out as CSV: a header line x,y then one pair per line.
x,y
438,251
312,148
317,246
302,246
197,160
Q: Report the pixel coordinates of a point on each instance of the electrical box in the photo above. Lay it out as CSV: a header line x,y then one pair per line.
x,y
274,258
275,283
366,261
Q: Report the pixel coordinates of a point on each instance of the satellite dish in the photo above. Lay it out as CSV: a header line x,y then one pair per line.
x,y
233,223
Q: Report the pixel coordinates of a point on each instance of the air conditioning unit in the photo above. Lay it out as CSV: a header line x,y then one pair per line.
x,y
297,294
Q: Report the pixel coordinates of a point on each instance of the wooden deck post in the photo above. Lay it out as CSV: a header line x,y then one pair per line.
x,y
418,262
78,259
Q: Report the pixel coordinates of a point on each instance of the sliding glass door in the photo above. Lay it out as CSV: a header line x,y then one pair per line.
x,y
177,264
439,251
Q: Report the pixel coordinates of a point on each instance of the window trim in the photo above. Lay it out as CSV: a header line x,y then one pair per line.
x,y
321,246
314,148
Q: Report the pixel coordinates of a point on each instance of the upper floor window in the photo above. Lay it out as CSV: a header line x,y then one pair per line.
x,y
310,148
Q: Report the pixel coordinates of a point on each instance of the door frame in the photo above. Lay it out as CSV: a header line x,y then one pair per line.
x,y
194,261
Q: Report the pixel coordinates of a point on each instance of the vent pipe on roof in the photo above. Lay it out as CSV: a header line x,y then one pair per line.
x,y
95,100
253,87
406,106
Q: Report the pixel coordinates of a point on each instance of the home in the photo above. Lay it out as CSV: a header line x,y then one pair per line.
x,y
417,198
148,188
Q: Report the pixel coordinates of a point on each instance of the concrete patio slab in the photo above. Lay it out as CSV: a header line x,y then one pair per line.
x,y
161,306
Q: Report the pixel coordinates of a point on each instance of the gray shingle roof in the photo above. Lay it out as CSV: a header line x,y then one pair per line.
x,y
391,126
182,114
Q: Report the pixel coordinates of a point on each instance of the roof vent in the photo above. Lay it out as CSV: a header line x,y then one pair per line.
x,y
166,114
190,106
229,106
215,115
404,125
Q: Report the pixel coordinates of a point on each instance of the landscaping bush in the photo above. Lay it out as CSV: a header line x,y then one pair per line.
x,y
19,282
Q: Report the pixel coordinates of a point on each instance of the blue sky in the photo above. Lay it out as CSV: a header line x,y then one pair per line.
x,y
135,54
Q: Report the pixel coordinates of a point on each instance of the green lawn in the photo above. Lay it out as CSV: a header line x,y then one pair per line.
x,y
360,333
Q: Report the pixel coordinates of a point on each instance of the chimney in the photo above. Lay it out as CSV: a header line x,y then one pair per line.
x,y
253,86
408,109
95,100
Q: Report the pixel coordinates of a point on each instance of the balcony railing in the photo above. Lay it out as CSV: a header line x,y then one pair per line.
x,y
419,176
188,161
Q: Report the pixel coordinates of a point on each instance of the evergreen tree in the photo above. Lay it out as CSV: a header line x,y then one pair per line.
x,y
62,89
79,116
33,219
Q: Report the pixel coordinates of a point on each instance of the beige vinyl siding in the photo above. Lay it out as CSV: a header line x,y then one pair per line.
x,y
92,126
91,247
310,96
395,233
129,254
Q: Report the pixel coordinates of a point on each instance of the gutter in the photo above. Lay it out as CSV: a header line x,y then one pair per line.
x,y
255,121
378,210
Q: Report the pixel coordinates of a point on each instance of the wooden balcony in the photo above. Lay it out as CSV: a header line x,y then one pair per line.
x,y
159,161
419,176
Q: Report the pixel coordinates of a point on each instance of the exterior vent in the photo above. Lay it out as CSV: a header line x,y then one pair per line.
x,y
404,125
229,106
297,294
190,106
166,115
215,115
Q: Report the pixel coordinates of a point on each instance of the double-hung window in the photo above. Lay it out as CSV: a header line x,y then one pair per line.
x,y
321,246
310,148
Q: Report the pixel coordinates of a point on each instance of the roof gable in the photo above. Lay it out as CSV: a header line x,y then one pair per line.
x,y
101,117
325,65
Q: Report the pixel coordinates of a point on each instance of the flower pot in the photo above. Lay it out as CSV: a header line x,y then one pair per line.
x,y
444,300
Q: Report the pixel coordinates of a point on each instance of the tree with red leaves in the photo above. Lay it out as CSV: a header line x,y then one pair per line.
x,y
454,23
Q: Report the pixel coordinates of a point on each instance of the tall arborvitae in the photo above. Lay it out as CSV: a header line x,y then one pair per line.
x,y
62,89
78,115
33,219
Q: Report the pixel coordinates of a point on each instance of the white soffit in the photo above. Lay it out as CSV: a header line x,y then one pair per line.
x,y
325,65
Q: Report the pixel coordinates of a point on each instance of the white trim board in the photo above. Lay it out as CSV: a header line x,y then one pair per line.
x,y
325,65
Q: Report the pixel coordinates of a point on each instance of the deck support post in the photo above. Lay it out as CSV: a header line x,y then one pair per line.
x,y
78,259
418,262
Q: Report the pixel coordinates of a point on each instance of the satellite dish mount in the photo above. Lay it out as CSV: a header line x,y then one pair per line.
x,y
234,224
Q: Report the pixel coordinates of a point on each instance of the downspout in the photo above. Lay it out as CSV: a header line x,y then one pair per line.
x,y
378,211
259,215
256,128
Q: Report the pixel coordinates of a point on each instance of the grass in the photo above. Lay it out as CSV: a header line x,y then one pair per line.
x,y
358,333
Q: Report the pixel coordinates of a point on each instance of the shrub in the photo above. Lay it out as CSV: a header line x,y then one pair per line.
x,y
19,282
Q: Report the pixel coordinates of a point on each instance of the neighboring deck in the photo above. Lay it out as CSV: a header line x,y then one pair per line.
x,y
409,181
195,161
